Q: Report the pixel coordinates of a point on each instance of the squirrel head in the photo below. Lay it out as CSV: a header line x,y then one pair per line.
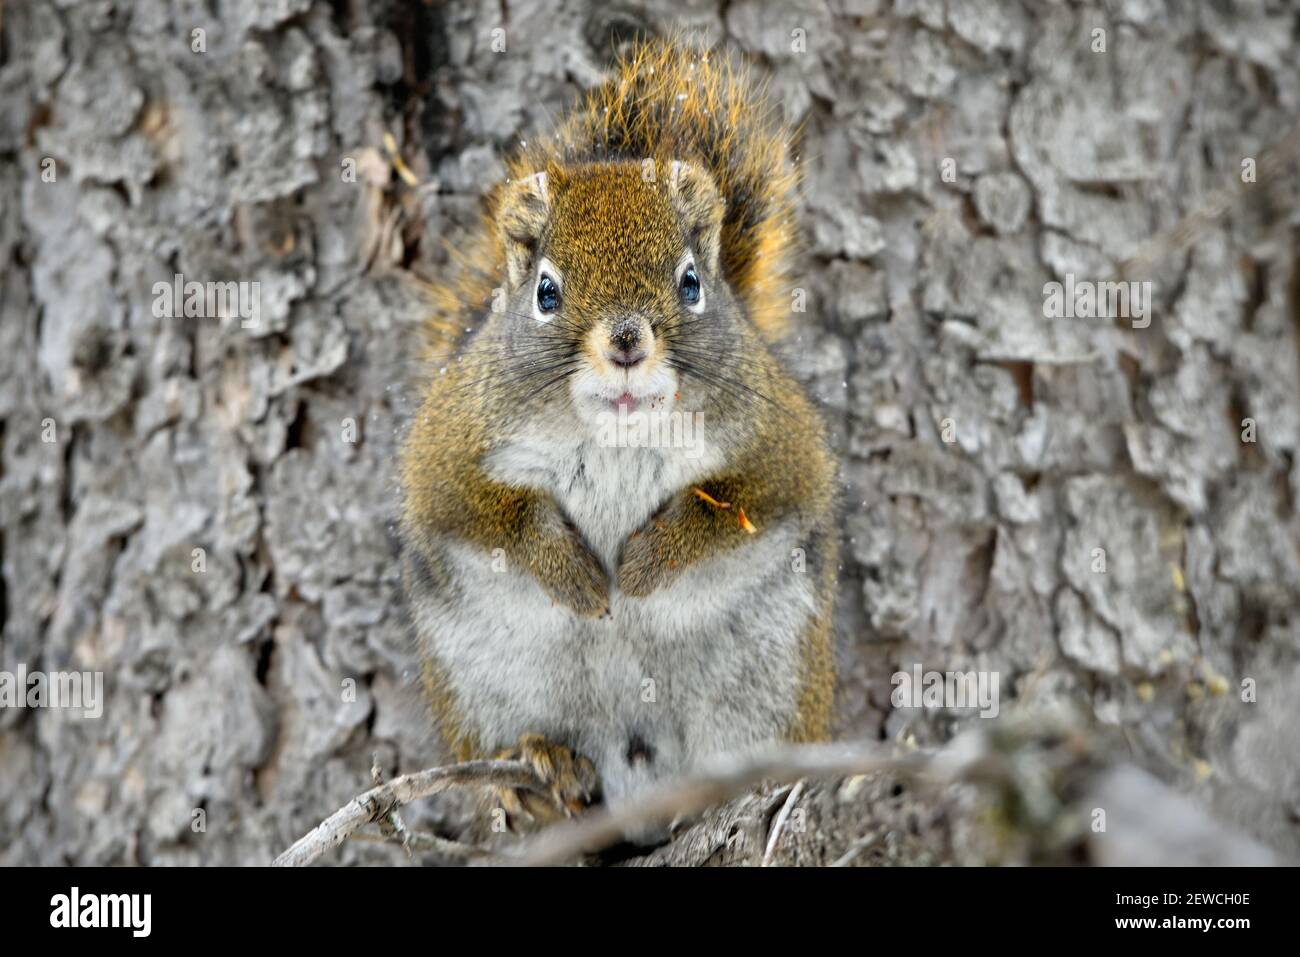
x,y
619,263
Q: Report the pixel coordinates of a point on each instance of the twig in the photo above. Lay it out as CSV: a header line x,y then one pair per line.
x,y
424,842
391,825
858,846
378,802
779,823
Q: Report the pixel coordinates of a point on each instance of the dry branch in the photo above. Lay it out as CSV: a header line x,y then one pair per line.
x,y
379,802
671,801
605,827
601,827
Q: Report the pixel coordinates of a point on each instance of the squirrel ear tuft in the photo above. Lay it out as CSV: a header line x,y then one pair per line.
x,y
521,215
700,206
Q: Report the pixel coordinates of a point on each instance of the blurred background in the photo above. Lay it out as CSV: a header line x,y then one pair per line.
x,y
184,509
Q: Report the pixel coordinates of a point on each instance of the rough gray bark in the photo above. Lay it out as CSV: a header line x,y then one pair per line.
x,y
989,451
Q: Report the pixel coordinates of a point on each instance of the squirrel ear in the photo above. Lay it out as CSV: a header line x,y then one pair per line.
x,y
700,206
521,216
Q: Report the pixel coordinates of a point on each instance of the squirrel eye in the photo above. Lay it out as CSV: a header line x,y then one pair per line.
x,y
548,294
690,286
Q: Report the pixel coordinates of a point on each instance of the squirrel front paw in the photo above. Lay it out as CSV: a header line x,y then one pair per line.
x,y
575,578
569,777
644,566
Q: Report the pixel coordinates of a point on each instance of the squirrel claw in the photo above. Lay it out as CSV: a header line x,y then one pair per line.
x,y
570,778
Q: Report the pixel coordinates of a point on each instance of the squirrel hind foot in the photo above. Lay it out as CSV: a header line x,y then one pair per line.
x,y
570,779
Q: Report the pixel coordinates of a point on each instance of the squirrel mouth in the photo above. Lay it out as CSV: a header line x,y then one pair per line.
x,y
626,402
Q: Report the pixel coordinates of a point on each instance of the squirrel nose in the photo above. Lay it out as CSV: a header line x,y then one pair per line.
x,y
626,342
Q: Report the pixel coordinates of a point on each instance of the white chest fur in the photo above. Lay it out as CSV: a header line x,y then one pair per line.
x,y
608,492
704,665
